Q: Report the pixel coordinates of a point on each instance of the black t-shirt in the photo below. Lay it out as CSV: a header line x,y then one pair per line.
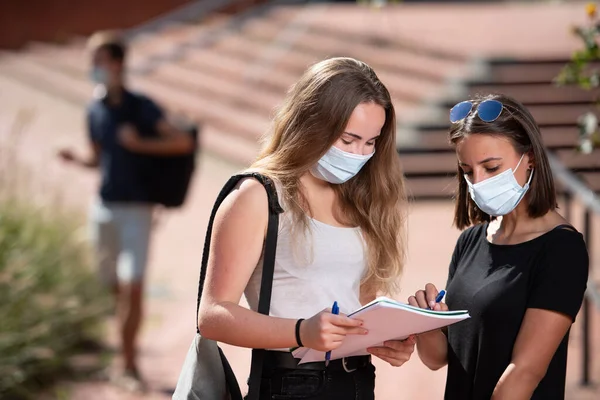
x,y
121,169
497,284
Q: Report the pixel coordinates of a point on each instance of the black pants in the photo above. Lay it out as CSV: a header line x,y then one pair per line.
x,y
319,383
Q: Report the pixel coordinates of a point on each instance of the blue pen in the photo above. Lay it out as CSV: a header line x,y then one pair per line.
x,y
440,296
334,310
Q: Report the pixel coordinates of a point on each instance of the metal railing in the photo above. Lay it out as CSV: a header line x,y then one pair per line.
x,y
575,189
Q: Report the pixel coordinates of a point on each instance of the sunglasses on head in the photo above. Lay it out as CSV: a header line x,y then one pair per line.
x,y
487,110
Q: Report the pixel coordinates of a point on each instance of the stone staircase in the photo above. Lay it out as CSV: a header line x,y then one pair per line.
x,y
231,72
231,76
233,82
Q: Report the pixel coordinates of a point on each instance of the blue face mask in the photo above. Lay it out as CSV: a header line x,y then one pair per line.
x,y
338,166
99,75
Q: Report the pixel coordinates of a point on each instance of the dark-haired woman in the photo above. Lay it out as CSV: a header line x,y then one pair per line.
x,y
520,268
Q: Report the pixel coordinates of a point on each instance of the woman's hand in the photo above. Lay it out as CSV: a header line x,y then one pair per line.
x,y
395,352
432,346
326,331
426,299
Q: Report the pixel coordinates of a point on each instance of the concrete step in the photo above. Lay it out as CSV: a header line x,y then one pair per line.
x,y
441,164
440,187
233,67
270,55
142,48
278,69
431,188
223,116
217,88
538,93
403,82
170,36
398,53
42,77
229,147
517,73
437,140
565,114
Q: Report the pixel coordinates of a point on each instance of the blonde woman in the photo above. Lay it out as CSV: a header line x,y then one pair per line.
x,y
333,160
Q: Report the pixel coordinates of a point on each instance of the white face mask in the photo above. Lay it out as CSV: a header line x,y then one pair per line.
x,y
337,166
499,194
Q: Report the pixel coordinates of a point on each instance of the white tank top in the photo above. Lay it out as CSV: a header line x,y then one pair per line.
x,y
305,282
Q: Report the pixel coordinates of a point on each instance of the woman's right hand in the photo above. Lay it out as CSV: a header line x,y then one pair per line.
x,y
432,346
426,299
326,331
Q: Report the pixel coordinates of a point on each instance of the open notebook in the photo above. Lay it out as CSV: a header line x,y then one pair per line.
x,y
385,319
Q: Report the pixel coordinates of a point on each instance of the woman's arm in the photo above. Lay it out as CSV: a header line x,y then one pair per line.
x,y
538,339
237,241
432,347
556,295
394,352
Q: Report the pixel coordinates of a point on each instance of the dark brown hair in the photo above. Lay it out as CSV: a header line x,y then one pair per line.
x,y
516,124
110,41
311,119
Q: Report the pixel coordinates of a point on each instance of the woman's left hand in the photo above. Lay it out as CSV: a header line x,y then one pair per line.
x,y
395,352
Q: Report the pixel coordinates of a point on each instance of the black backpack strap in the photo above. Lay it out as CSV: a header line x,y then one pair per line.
x,y
266,286
230,380
264,302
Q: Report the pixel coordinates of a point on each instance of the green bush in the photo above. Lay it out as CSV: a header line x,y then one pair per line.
x,y
51,303
583,71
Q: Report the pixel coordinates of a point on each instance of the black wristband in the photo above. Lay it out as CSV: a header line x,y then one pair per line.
x,y
298,340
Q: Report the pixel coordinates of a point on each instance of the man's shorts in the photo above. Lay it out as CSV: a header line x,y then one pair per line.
x,y
120,234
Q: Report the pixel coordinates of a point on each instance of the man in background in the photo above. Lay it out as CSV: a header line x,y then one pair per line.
x,y
119,123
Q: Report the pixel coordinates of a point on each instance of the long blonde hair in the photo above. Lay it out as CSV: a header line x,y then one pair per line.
x,y
311,119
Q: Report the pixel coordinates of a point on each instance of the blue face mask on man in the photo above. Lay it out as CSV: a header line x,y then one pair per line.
x,y
338,166
99,75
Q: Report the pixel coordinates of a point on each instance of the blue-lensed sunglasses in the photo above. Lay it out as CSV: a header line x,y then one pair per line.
x,y
487,110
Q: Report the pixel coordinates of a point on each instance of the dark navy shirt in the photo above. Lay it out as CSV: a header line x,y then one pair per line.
x,y
497,284
122,170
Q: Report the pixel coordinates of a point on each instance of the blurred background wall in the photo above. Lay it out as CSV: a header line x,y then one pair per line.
x,y
58,20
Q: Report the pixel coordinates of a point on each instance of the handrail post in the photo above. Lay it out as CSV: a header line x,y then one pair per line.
x,y
591,204
585,348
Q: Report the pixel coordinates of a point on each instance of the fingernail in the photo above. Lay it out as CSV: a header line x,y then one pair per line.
x,y
364,332
432,304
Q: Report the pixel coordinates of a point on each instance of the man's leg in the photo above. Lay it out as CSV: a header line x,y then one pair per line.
x,y
104,237
135,223
130,318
